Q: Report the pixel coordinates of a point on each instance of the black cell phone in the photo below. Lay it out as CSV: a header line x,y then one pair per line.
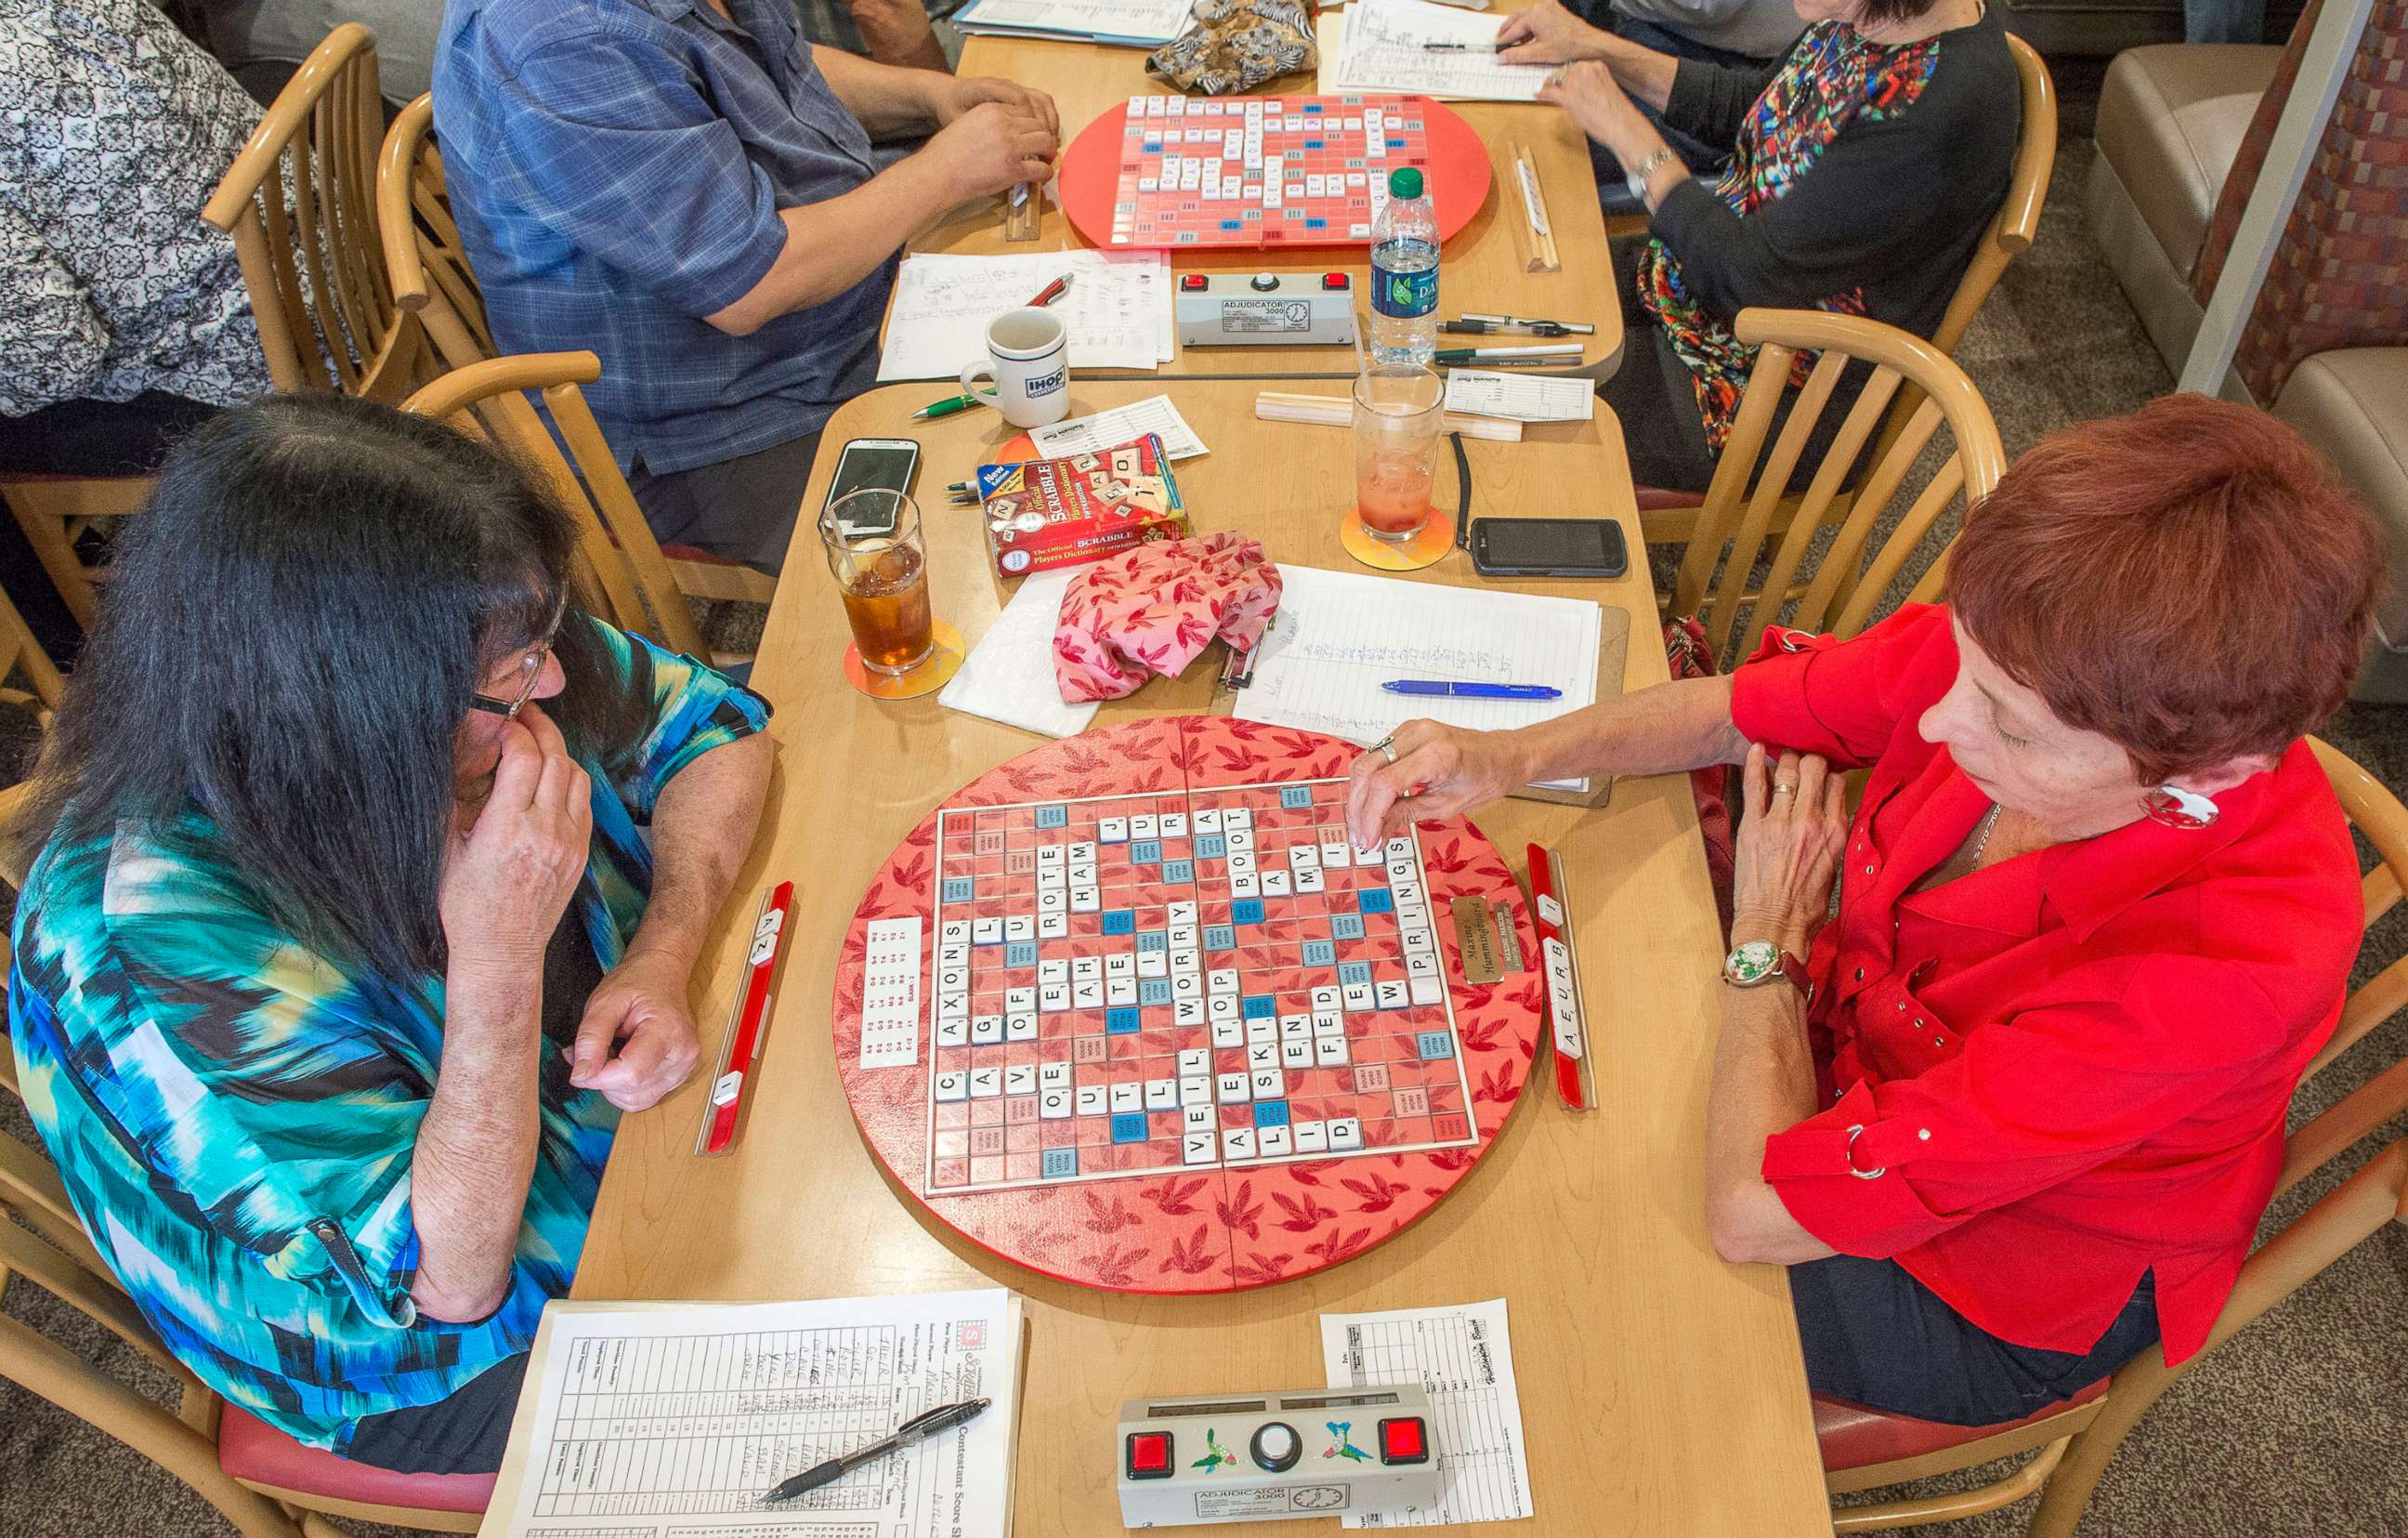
x,y
884,464
1548,547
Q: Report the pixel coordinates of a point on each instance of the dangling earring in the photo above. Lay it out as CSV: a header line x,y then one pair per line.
x,y
2174,807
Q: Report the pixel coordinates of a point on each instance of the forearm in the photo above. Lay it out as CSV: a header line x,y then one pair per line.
x,y
476,1147
1641,71
833,245
887,99
898,32
1763,1084
702,829
1666,729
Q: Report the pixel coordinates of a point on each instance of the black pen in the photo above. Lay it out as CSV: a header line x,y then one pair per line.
x,y
926,1424
1479,324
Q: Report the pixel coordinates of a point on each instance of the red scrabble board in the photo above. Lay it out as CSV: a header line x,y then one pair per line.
x,y
1167,172
1164,1031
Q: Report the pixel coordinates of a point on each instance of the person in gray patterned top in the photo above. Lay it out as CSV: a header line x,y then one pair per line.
x,y
123,319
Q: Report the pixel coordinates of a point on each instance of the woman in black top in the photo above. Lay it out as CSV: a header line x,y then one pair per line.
x,y
1865,167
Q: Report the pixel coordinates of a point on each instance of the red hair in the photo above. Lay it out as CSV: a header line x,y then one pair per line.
x,y
2189,581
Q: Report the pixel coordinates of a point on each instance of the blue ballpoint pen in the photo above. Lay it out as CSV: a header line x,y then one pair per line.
x,y
1471,691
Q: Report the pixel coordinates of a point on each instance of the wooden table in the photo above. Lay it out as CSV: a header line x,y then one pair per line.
x,y
1661,1389
1483,267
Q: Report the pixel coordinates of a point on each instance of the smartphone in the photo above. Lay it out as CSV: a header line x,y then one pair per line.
x,y
1548,547
884,464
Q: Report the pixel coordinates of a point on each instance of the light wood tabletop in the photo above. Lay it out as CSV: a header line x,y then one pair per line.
x,y
1661,1389
1483,267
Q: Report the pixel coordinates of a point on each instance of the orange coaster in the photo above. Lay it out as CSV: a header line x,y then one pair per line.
x,y
1427,547
936,670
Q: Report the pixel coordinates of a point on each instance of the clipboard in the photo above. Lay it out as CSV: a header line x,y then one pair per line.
x,y
1613,652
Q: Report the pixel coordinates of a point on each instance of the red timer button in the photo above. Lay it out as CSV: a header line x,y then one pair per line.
x,y
1191,282
1403,1441
1333,281
1149,1454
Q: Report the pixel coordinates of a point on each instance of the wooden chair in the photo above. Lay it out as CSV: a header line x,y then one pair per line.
x,y
319,289
1846,584
627,578
2011,233
422,252
57,511
2076,1439
21,654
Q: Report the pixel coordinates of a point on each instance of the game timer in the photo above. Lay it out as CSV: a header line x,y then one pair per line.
x,y
1190,1460
1132,1010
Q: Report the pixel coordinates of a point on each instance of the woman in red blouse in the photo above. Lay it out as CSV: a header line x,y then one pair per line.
x,y
2011,1109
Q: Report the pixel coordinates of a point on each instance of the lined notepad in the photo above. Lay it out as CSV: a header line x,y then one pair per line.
x,y
1110,429
1117,311
1463,1357
1376,44
1338,636
1520,397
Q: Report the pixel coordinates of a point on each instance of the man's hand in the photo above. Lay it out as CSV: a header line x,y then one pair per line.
x,y
640,1011
993,145
1439,771
954,97
1789,849
507,875
1547,33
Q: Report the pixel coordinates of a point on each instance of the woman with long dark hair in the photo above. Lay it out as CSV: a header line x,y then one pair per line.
x,y
372,874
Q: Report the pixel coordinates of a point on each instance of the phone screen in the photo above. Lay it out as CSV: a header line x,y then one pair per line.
x,y
1552,544
868,464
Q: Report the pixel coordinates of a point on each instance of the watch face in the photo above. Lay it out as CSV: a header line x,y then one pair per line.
x,y
1752,962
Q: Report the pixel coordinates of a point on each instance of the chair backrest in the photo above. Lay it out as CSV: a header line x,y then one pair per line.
x,y
21,656
300,202
2011,230
422,253
629,580
1742,502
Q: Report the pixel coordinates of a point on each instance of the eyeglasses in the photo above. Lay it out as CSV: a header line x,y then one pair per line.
x,y
531,670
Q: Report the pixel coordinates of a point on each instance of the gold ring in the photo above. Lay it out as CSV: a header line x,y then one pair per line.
x,y
1780,789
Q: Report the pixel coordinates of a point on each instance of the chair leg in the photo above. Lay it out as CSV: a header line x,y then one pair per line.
x,y
48,535
2067,1494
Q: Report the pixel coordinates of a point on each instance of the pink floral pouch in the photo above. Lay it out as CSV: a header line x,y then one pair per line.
x,y
1153,608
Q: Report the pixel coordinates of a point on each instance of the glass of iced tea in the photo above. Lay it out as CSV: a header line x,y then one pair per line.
x,y
881,565
1397,421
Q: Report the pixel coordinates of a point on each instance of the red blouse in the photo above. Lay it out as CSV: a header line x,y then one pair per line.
x,y
2054,1074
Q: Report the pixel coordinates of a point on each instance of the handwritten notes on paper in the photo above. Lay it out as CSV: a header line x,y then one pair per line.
x,y
1117,310
1138,23
890,994
1376,44
672,1420
1463,1357
1110,429
1520,397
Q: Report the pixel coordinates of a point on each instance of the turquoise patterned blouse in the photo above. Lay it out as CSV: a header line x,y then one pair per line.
x,y
235,1116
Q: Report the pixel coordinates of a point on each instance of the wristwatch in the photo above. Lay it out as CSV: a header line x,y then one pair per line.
x,y
1645,168
1760,961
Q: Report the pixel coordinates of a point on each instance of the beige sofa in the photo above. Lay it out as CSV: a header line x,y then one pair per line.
x,y
2170,120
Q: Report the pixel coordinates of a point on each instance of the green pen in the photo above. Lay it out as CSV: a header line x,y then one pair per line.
x,y
946,408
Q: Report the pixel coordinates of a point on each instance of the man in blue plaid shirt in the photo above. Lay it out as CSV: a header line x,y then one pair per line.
x,y
687,187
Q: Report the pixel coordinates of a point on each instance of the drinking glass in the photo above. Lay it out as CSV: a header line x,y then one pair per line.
x,y
1397,421
880,564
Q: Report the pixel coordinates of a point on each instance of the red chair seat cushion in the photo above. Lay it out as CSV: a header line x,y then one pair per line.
x,y
1853,1437
249,1448
1656,499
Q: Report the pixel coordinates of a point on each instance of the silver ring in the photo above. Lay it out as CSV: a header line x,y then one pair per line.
x,y
1386,745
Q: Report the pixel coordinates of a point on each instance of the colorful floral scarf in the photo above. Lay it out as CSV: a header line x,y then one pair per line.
x,y
1832,79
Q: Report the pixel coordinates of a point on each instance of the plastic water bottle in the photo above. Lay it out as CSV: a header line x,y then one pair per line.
x,y
1404,274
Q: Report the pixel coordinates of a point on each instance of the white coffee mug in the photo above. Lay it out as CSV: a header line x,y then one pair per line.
x,y
1028,355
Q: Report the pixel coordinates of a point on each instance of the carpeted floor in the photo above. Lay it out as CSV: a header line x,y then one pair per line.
x,y
2292,1429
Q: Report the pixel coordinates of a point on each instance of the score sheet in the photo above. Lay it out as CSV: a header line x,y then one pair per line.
x,y
1463,1357
671,1420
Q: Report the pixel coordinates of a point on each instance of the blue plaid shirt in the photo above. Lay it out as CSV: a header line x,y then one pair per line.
x,y
617,167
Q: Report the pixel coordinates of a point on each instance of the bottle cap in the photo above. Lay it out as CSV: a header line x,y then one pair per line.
x,y
1405,181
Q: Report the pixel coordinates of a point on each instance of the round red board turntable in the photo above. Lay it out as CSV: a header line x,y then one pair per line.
x,y
1104,171
1167,1034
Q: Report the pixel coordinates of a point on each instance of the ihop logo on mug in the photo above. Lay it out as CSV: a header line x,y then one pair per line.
x,y
1027,358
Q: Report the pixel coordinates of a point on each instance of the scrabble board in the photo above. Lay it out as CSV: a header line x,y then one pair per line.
x,y
1130,1010
1167,172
